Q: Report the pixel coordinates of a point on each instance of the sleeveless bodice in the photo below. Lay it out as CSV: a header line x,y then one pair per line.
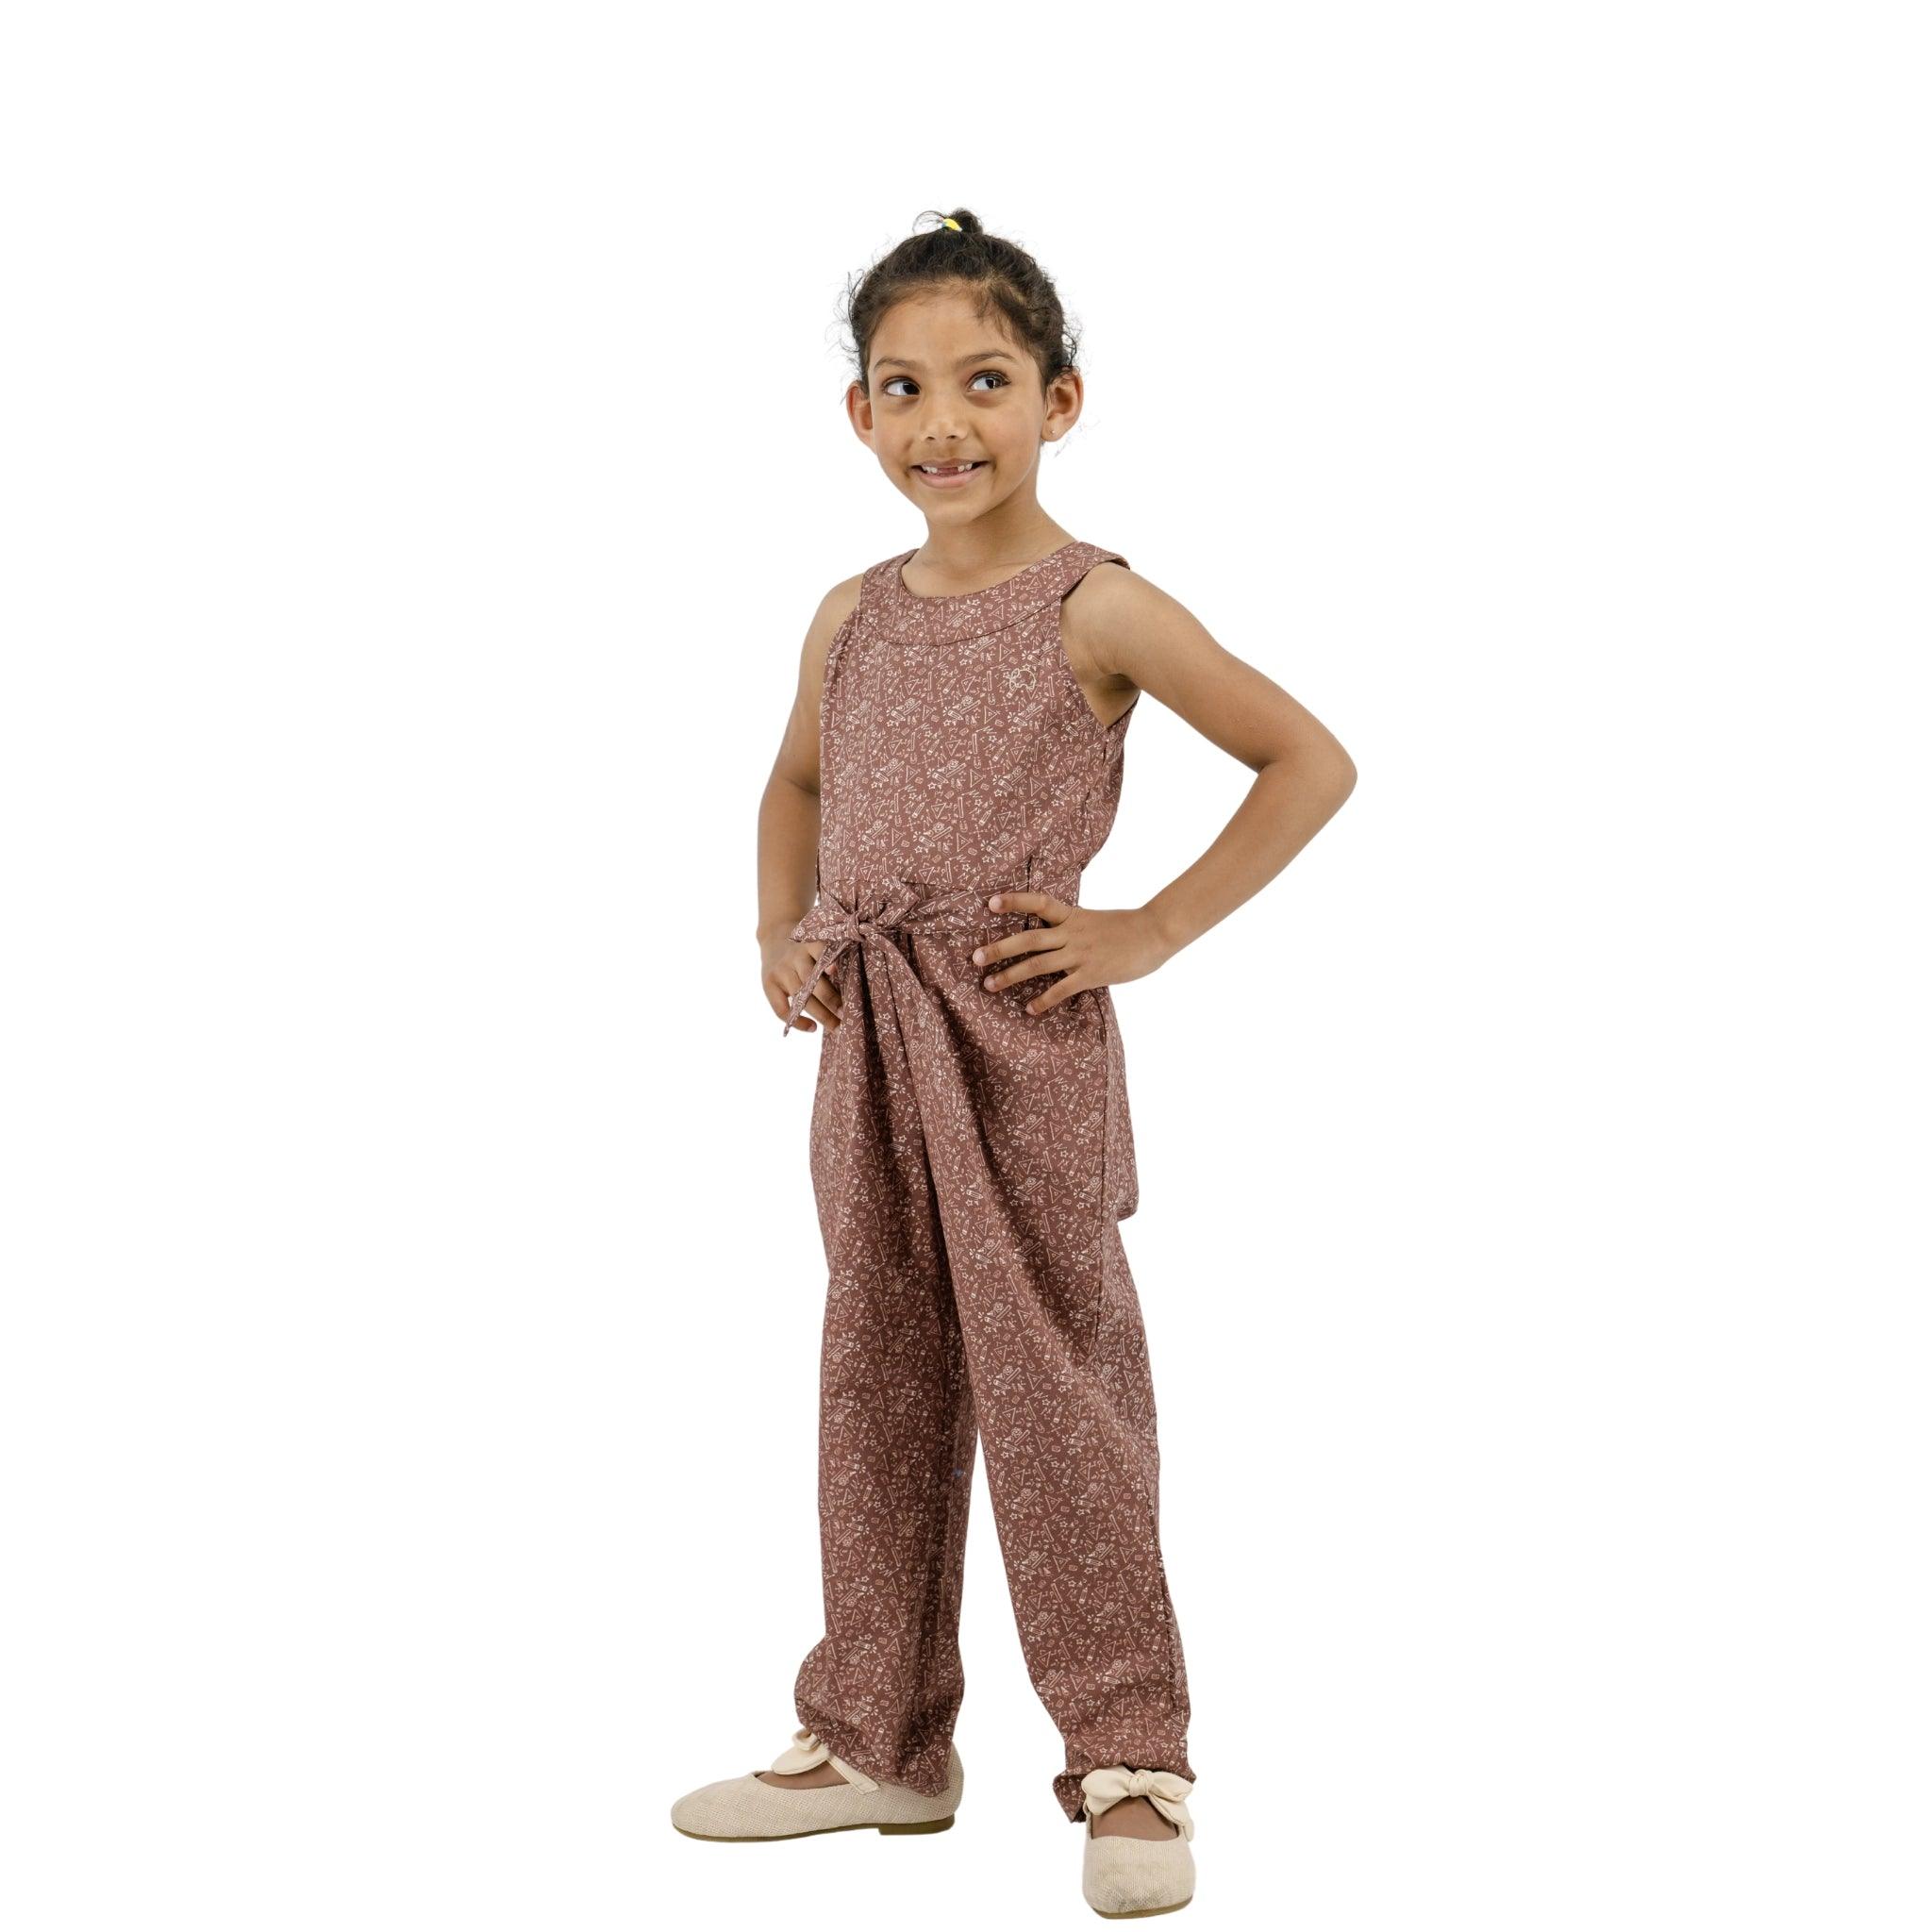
x,y
956,748
960,757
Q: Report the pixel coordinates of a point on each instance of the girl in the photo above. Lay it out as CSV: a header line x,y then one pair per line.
x,y
951,765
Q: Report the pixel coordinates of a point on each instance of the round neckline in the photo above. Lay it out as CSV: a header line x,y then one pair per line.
x,y
961,596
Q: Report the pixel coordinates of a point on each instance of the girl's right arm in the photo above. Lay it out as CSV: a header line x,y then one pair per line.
x,y
789,824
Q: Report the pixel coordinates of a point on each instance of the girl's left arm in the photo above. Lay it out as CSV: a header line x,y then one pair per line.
x,y
1121,630
1118,625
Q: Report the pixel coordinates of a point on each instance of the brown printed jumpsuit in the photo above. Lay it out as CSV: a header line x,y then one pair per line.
x,y
969,1161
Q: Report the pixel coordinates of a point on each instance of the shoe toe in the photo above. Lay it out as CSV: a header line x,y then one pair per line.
x,y
1127,1876
716,1809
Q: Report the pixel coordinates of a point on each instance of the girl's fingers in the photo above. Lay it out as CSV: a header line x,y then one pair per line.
x,y
1043,903
824,1003
1036,938
1026,969
814,1010
818,1010
1061,989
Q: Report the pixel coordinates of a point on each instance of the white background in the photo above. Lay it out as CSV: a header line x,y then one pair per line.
x,y
422,457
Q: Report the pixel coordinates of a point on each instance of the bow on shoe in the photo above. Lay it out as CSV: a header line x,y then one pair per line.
x,y
806,1751
1166,1790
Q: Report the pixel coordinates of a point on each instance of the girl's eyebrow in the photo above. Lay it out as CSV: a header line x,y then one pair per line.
x,y
977,356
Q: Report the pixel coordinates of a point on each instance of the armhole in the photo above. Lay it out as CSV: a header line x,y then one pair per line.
x,y
1109,733
835,655
836,649
849,623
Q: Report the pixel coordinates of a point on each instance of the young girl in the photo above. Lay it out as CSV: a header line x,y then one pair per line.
x,y
952,764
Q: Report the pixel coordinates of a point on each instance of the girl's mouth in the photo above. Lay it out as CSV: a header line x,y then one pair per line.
x,y
947,475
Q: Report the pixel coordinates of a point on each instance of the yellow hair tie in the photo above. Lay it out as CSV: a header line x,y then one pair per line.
x,y
950,223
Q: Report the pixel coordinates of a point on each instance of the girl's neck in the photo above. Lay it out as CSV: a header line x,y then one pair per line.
x,y
957,560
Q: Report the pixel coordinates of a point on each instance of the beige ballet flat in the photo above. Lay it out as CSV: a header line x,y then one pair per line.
x,y
1137,1877
740,1810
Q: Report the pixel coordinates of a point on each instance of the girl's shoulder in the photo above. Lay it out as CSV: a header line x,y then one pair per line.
x,y
1098,597
842,602
843,598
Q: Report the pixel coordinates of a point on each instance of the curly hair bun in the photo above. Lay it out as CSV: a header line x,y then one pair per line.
x,y
956,251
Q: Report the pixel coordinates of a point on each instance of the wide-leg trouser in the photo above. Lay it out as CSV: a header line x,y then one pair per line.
x,y
978,1290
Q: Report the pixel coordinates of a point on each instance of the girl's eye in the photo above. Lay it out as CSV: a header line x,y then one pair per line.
x,y
997,375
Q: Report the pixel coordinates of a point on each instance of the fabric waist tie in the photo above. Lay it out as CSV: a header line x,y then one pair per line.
x,y
895,905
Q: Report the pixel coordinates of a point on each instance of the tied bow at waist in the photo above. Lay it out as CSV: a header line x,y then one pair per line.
x,y
895,905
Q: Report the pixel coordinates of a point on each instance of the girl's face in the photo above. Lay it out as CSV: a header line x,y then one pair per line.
x,y
947,389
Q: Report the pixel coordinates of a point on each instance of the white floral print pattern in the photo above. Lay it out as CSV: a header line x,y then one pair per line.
x,y
971,1162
